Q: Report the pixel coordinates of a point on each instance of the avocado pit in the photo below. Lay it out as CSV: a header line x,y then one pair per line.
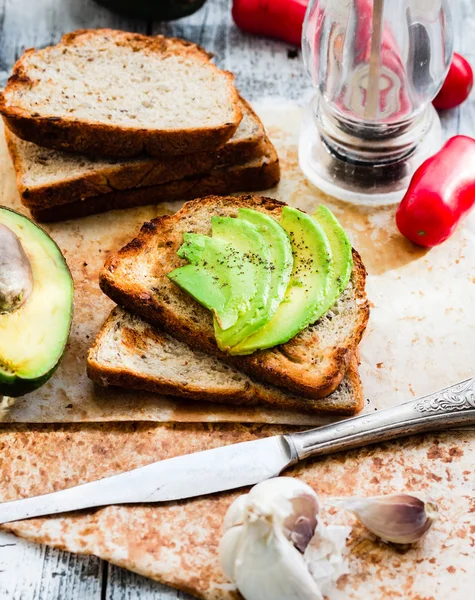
x,y
16,277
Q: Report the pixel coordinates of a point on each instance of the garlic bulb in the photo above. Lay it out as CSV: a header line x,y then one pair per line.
x,y
269,535
397,518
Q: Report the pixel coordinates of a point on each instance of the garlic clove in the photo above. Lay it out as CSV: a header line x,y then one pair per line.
x,y
281,488
228,550
236,513
396,518
269,567
294,502
300,525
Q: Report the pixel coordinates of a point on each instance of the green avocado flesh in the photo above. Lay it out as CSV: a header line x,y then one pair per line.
x,y
342,263
246,238
33,337
212,277
279,267
229,271
265,280
304,300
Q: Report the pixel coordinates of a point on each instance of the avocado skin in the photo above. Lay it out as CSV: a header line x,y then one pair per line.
x,y
14,386
153,10
17,386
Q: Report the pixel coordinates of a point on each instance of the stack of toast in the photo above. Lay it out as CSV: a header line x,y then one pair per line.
x,y
108,119
160,339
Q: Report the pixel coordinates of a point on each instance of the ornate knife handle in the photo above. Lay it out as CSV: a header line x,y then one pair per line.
x,y
451,407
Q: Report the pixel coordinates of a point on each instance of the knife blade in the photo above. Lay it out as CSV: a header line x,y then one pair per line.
x,y
197,474
247,463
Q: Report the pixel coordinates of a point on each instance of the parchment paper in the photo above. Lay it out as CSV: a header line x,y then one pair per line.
x,y
420,336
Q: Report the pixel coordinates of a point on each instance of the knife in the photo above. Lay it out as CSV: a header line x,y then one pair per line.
x,y
244,464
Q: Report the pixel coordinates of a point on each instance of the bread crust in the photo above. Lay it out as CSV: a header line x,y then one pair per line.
x,y
244,178
102,139
141,172
298,376
291,366
254,394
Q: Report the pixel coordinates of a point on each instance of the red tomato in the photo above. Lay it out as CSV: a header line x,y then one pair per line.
x,y
457,86
441,193
281,19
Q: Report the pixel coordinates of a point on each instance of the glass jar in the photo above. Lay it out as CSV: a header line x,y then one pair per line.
x,y
376,66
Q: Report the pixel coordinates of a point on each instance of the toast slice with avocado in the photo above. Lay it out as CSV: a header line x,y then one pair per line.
x,y
103,92
130,353
260,173
312,364
47,178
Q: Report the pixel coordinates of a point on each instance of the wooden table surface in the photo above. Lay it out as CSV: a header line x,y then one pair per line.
x,y
263,68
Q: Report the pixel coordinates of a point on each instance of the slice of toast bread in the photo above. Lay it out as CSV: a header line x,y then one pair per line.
x,y
258,174
47,178
103,92
128,352
312,364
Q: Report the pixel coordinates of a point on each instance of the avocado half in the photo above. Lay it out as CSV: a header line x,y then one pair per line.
x,y
36,299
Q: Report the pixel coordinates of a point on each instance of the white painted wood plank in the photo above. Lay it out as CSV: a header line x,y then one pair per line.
x,y
462,120
69,577
124,585
20,568
463,12
33,572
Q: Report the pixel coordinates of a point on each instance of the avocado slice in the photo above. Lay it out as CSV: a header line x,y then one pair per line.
x,y
305,297
226,272
245,237
282,260
213,278
36,296
280,267
341,254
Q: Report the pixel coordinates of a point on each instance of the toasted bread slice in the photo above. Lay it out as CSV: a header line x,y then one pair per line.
x,y
260,173
130,353
312,364
109,93
47,178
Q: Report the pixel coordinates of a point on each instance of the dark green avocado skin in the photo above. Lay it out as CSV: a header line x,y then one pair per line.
x,y
153,10
16,387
